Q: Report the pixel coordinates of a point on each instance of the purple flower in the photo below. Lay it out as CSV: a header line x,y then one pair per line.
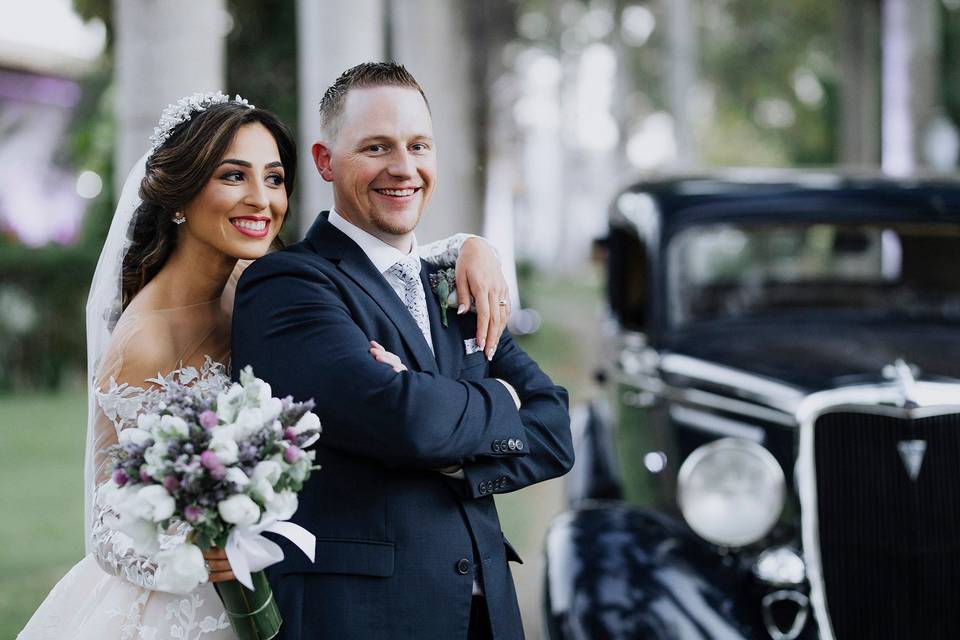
x,y
120,477
289,434
291,454
192,513
170,483
209,460
209,419
144,476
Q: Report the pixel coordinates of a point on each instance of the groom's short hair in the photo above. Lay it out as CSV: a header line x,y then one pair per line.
x,y
363,76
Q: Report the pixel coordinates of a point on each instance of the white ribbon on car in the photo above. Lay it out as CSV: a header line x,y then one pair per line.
x,y
249,551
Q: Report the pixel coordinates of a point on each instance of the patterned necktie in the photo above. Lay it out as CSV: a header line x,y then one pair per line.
x,y
408,270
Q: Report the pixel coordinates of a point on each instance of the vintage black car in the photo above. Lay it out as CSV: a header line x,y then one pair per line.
x,y
780,457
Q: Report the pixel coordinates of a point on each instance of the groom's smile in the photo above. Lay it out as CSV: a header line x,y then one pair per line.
x,y
382,161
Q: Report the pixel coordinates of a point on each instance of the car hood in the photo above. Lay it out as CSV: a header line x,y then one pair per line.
x,y
816,354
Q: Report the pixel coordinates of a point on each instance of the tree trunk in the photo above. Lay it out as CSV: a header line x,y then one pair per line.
x,y
681,77
859,33
165,49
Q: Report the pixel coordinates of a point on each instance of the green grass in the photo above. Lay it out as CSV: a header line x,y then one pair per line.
x,y
41,490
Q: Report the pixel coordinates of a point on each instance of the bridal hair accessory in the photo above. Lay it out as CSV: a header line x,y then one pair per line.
x,y
184,108
179,218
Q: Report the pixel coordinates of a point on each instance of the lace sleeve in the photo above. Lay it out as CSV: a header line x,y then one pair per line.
x,y
115,553
119,406
444,253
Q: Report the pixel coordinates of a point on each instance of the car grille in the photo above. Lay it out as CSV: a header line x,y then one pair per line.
x,y
889,545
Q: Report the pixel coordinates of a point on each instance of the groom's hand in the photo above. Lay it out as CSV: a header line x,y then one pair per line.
x,y
480,283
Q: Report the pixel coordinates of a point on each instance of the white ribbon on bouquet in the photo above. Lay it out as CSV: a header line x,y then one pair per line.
x,y
248,551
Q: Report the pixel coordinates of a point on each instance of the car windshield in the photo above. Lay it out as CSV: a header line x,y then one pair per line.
x,y
728,271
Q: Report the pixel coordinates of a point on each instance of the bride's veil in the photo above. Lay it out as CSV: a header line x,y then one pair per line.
x,y
103,310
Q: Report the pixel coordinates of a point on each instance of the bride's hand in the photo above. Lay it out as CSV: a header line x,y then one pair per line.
x,y
480,282
382,355
218,565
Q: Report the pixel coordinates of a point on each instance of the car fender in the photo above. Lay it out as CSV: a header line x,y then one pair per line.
x,y
595,476
617,572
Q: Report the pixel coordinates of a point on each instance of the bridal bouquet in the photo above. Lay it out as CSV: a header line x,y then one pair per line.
x,y
225,462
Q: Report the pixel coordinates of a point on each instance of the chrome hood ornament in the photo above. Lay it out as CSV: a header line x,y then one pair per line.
x,y
903,375
912,452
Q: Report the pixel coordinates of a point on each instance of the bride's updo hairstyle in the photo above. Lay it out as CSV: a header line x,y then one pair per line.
x,y
178,170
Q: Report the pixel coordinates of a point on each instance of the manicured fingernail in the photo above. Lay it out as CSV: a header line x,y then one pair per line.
x,y
481,343
490,352
462,309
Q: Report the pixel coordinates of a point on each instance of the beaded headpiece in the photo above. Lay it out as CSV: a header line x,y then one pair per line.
x,y
184,109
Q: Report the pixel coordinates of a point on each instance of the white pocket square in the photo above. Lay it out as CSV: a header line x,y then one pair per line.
x,y
470,346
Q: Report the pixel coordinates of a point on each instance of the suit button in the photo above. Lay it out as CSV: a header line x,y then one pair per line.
x,y
503,446
519,444
482,487
512,444
495,446
463,566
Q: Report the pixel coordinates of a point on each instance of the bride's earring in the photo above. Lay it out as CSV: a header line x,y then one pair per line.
x,y
179,218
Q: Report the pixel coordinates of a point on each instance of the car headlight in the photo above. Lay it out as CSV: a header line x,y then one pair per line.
x,y
731,491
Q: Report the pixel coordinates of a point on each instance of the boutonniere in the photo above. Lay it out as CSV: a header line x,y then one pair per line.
x,y
444,285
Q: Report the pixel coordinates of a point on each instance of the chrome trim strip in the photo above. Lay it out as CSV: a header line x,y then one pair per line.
x,y
707,399
930,398
775,394
717,425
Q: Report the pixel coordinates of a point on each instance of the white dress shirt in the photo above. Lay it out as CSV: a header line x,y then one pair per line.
x,y
382,255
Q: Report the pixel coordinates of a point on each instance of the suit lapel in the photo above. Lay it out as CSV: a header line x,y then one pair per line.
x,y
330,242
447,343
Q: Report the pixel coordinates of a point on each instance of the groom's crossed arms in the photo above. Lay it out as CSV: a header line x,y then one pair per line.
x,y
305,328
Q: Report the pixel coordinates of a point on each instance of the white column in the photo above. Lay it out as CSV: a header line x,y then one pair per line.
x,y
332,36
682,76
429,38
164,49
911,93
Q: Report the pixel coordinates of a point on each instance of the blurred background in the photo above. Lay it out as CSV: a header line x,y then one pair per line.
x,y
542,109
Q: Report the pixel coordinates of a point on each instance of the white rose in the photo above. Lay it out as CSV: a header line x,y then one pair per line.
x,y
283,505
269,470
237,477
248,421
226,448
271,408
264,392
148,421
262,490
180,569
151,503
155,458
135,435
239,510
143,533
174,427
229,401
308,421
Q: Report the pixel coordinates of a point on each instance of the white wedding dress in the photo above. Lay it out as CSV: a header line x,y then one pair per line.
x,y
111,593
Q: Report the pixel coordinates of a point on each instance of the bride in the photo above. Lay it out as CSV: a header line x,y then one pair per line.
x,y
210,195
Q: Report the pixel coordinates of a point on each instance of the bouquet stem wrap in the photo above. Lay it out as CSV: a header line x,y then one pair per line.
x,y
253,614
248,600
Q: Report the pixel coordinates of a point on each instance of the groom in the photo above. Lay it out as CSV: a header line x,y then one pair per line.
x,y
408,538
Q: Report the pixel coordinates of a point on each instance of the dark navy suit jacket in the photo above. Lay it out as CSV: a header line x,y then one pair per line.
x,y
398,543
